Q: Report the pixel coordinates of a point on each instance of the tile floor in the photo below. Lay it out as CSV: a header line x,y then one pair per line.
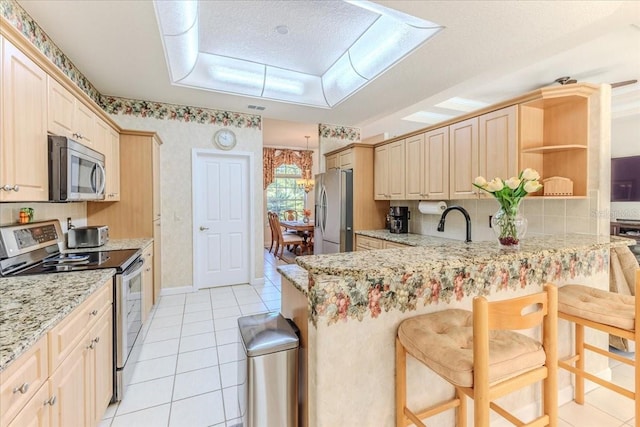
x,y
187,372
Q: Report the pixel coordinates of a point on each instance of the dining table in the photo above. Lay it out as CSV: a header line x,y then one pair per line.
x,y
304,229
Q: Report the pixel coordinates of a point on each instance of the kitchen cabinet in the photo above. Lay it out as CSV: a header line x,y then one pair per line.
x,y
66,378
107,142
368,213
138,212
389,170
427,161
147,281
340,160
23,128
463,159
498,145
366,243
331,162
68,116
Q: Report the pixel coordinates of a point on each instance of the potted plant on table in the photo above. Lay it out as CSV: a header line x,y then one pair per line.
x,y
508,224
306,214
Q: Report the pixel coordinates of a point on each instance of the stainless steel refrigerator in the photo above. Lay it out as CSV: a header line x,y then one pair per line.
x,y
333,231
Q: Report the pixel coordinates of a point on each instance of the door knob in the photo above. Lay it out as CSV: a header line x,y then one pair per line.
x,y
203,228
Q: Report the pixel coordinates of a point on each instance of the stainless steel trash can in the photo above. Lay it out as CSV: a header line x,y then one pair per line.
x,y
268,378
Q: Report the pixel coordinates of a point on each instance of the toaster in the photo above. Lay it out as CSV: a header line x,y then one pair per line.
x,y
87,237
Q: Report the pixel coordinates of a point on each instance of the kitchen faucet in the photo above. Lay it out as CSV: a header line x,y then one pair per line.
x,y
466,217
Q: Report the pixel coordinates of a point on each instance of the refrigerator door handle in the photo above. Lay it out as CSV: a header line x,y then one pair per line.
x,y
323,204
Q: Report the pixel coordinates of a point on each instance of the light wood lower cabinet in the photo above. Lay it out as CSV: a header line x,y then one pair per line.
x,y
147,281
66,379
366,243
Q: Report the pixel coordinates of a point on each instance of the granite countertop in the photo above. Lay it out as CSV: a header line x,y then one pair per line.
x,y
298,276
31,305
116,244
434,253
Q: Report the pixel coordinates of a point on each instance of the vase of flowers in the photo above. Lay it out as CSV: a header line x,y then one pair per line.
x,y
306,214
508,223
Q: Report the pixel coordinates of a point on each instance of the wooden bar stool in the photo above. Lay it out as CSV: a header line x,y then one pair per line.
x,y
604,311
482,357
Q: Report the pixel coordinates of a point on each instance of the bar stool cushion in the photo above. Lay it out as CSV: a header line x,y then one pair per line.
x,y
444,342
597,305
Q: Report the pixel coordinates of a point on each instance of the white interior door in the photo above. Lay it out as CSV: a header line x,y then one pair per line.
x,y
221,219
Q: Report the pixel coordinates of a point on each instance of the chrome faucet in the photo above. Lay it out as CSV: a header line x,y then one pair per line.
x,y
466,217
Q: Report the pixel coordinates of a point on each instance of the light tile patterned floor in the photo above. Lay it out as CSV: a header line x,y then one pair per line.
x,y
187,372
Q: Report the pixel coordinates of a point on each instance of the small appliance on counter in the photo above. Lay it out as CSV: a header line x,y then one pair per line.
x,y
399,219
87,237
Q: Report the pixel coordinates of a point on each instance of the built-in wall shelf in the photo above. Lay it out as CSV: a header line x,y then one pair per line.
x,y
552,148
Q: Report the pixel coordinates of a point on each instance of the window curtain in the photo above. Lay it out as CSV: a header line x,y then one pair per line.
x,y
275,157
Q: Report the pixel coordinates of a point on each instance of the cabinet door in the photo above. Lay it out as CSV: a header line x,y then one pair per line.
x,y
463,158
36,413
84,125
436,160
23,129
498,136
70,386
332,162
101,367
415,178
396,170
101,140
147,282
156,180
345,159
381,173
60,107
113,167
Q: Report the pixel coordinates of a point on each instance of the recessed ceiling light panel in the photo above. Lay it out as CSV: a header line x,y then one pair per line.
x,y
461,104
374,49
427,117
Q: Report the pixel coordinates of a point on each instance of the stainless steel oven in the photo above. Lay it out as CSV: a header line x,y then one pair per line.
x,y
128,323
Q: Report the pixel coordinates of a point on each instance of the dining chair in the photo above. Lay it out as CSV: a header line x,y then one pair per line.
x,y
290,215
274,237
285,239
482,356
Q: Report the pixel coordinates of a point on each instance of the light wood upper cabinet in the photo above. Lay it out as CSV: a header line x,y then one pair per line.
x,y
427,160
389,171
340,160
498,149
23,131
107,142
156,179
463,159
70,117
331,162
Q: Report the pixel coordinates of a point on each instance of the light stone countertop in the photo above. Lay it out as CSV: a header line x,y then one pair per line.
x,y
298,276
116,244
30,306
434,253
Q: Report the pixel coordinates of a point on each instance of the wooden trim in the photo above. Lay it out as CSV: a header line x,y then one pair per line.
x,y
347,147
145,133
17,39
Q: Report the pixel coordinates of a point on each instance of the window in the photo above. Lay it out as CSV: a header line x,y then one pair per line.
x,y
283,193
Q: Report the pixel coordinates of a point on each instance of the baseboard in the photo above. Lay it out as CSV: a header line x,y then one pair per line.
x,y
177,290
257,281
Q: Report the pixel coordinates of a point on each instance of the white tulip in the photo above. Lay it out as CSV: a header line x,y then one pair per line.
x,y
530,174
532,186
495,185
480,181
513,182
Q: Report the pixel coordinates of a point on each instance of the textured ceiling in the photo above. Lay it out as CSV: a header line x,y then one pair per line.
x,y
486,50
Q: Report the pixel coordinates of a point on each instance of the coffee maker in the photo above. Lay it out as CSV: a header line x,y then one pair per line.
x,y
399,219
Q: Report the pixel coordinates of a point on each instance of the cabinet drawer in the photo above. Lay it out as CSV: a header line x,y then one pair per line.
x,y
389,245
369,243
64,336
22,380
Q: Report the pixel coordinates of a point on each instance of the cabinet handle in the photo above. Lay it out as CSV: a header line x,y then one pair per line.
x,y
51,401
22,389
96,340
9,187
93,313
91,346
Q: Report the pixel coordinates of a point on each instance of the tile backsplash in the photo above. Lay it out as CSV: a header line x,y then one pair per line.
x,y
77,211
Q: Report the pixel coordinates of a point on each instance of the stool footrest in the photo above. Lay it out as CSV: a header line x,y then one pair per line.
x,y
604,383
609,354
506,415
431,411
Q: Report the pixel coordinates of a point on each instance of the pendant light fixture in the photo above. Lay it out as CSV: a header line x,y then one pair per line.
x,y
306,184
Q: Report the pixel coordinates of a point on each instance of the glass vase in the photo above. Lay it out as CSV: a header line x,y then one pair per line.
x,y
509,226
305,219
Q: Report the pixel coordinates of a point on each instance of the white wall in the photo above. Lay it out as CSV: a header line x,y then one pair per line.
x,y
179,139
625,142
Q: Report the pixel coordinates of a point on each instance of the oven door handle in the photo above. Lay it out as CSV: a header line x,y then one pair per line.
x,y
133,270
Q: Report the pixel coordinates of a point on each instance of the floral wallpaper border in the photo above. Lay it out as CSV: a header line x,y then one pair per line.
x,y
21,20
338,299
24,23
338,132
159,110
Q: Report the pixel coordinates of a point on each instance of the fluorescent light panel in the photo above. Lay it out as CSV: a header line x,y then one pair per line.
x,y
461,104
427,117
393,36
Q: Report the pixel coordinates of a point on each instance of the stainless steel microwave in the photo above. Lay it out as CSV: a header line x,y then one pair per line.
x,y
76,172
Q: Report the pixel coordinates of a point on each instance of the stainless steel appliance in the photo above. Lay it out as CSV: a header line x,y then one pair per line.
x,y
399,219
87,237
333,230
76,172
34,248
